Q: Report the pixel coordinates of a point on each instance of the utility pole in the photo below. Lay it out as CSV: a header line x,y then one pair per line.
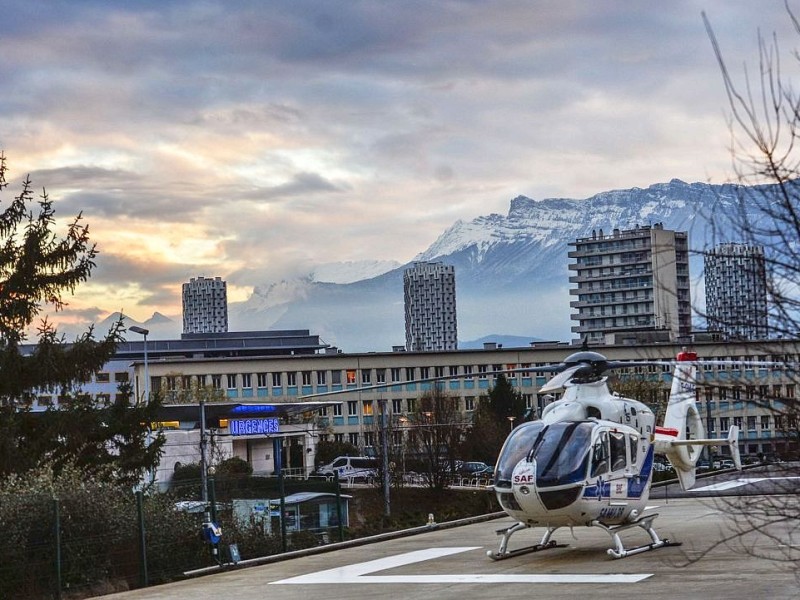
x,y
203,458
387,504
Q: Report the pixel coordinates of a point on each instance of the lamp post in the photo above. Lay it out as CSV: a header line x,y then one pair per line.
x,y
387,511
511,420
403,433
144,332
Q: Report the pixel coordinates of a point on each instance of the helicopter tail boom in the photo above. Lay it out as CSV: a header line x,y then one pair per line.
x,y
683,453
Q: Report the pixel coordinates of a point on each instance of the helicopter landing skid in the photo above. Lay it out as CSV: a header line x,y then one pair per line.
x,y
503,552
645,523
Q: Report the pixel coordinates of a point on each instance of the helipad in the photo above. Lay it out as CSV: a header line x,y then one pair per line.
x,y
452,564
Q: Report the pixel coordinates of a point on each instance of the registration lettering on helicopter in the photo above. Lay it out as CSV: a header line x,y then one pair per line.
x,y
611,512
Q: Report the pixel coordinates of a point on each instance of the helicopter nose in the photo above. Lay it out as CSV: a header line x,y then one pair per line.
x,y
523,486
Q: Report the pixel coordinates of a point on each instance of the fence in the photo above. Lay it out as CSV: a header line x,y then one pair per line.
x,y
93,538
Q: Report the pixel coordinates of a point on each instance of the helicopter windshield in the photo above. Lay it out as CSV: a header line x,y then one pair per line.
x,y
517,446
561,452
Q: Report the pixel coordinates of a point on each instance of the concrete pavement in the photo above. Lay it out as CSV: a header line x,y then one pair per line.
x,y
452,564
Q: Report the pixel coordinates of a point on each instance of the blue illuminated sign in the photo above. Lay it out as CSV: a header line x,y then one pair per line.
x,y
253,408
259,426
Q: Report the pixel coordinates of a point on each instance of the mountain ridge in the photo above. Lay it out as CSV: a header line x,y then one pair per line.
x,y
511,270
512,274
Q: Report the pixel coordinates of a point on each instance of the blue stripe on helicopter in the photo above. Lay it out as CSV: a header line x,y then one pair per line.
x,y
636,485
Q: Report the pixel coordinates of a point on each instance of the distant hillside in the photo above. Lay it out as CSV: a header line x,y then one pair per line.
x,y
511,270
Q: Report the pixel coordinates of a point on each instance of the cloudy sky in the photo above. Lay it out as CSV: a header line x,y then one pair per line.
x,y
255,140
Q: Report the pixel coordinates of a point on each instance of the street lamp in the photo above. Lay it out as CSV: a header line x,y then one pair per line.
x,y
144,332
511,419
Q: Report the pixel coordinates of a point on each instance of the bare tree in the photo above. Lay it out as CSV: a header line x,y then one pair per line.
x,y
391,426
649,390
436,430
765,123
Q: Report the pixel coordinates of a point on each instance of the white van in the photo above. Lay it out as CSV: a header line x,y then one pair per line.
x,y
351,467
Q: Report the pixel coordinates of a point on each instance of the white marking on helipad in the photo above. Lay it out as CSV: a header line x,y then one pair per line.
x,y
734,483
360,573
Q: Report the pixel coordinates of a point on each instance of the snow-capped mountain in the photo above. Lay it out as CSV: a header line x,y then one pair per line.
x,y
511,270
350,271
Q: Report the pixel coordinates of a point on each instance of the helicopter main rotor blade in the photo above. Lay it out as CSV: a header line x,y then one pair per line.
x,y
562,378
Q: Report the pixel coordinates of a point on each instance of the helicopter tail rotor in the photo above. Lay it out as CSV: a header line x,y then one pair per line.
x,y
682,436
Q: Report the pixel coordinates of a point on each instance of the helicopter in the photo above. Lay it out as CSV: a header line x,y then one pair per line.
x,y
588,460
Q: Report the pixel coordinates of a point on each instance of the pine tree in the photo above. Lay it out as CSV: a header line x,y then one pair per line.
x,y
38,269
495,416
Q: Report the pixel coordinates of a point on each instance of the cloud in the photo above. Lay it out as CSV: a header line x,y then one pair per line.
x,y
254,140
301,184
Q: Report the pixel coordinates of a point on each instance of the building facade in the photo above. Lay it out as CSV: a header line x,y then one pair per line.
x,y
760,401
736,291
633,280
258,390
429,291
205,305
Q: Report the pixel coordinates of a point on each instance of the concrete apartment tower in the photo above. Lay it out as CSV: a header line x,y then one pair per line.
x,y
631,282
736,291
429,290
205,305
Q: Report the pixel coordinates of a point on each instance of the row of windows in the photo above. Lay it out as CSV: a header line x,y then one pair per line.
x,y
368,408
336,377
105,377
368,377
763,422
750,392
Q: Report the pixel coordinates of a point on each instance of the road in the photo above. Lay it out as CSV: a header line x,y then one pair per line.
x,y
451,563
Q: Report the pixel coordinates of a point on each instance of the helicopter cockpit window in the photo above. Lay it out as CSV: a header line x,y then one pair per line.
x,y
600,455
618,444
561,453
517,447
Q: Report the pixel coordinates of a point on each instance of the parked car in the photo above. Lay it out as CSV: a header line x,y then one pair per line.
x,y
475,468
350,467
727,463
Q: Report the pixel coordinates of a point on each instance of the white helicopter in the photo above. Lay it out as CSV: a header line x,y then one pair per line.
x,y
588,461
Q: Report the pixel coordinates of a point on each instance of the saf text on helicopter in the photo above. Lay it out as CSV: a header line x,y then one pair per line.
x,y
588,461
